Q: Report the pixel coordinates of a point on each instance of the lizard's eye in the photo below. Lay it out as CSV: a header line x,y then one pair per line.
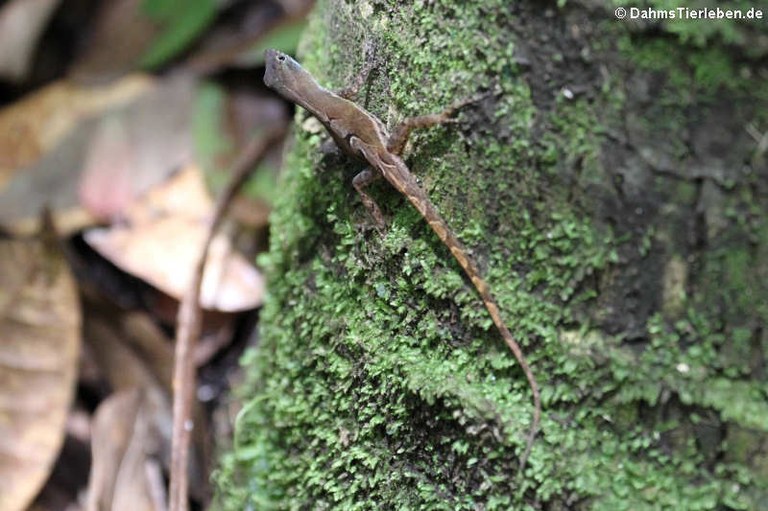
x,y
281,58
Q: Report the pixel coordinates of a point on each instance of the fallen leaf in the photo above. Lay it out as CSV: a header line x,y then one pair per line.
x,y
132,353
123,475
184,194
150,343
39,346
34,125
49,183
137,147
105,161
70,472
161,246
126,348
123,366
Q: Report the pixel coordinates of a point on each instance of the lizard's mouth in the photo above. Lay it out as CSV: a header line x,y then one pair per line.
x,y
283,74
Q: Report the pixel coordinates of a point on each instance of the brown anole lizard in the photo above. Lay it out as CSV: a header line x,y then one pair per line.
x,y
360,134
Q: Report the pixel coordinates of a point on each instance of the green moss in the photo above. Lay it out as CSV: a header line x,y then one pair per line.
x,y
694,73
380,381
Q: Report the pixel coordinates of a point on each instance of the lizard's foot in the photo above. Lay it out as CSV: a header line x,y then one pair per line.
x,y
360,182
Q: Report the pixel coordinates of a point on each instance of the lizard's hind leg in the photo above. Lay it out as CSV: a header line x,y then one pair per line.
x,y
402,131
360,182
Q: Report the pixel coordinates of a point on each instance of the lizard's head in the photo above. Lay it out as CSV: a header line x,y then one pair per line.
x,y
283,73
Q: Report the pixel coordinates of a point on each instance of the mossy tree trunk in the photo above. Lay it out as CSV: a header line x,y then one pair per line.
x,y
614,194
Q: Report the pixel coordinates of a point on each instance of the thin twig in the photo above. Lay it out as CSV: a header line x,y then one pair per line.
x,y
189,323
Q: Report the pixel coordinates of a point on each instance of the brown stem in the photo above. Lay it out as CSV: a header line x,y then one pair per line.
x,y
189,322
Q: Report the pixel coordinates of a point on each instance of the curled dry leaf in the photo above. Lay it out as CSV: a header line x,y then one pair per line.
x,y
163,254
161,241
184,194
39,346
124,477
132,353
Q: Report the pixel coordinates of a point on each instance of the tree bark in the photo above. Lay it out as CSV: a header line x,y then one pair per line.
x,y
614,195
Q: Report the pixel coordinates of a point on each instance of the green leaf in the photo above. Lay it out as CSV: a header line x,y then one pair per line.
x,y
183,20
207,130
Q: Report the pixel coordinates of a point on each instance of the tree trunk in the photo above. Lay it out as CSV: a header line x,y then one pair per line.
x,y
614,195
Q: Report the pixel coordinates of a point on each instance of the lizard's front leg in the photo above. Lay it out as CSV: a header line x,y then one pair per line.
x,y
351,91
360,182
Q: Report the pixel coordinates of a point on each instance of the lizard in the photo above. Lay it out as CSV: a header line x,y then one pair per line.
x,y
360,134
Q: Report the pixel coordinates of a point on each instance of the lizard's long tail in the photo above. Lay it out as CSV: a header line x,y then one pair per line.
x,y
436,222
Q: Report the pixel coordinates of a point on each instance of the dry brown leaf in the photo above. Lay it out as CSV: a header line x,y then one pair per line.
x,y
21,23
70,472
34,125
164,254
117,359
133,354
136,148
127,348
123,475
39,346
104,162
151,344
161,246
49,183
184,194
